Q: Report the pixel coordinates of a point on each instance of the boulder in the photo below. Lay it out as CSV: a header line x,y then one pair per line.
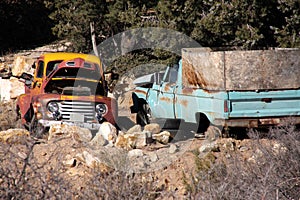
x,y
19,66
5,89
173,149
14,136
135,153
209,146
135,129
126,141
213,133
98,141
77,133
162,137
93,162
154,128
109,132
82,135
153,156
16,88
131,141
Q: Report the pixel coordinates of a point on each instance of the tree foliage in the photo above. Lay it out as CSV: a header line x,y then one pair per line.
x,y
221,23
73,20
24,23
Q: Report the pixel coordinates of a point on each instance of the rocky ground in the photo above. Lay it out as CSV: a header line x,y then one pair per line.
x,y
143,162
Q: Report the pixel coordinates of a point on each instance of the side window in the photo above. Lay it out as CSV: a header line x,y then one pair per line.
x,y
52,66
40,69
172,74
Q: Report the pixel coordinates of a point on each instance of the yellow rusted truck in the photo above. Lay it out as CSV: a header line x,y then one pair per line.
x,y
67,88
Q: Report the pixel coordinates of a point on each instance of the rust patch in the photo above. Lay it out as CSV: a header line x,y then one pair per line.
x,y
166,99
192,76
167,87
141,91
183,102
188,90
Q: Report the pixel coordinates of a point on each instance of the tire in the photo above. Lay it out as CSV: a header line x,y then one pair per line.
x,y
203,123
143,116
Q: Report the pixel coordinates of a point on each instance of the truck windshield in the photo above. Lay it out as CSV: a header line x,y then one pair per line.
x,y
52,65
70,72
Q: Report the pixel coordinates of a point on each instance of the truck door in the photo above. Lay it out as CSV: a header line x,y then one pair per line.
x,y
38,76
166,95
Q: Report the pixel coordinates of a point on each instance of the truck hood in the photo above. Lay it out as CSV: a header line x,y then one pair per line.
x,y
75,77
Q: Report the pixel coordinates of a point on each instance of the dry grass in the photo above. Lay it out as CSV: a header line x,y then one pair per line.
x,y
272,173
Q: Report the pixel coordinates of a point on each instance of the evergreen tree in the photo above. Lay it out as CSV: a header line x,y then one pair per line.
x,y
73,20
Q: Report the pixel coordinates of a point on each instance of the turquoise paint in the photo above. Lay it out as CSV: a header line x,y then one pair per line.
x,y
241,104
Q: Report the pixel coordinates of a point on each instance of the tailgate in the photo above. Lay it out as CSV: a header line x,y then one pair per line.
x,y
264,104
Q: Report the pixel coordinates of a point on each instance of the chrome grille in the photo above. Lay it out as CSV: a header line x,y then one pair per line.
x,y
80,110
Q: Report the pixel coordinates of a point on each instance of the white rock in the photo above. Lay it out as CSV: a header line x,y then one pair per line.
x,y
153,156
135,153
5,89
19,66
213,133
108,131
140,140
77,133
90,160
162,137
131,141
98,141
127,141
209,146
69,161
154,128
82,134
94,162
173,149
135,129
17,88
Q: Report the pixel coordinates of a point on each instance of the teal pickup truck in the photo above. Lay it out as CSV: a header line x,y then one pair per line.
x,y
226,89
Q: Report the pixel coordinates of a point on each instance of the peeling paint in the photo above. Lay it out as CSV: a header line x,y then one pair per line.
x,y
166,99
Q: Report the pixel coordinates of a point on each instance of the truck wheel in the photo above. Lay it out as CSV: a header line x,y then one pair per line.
x,y
203,123
143,116
36,129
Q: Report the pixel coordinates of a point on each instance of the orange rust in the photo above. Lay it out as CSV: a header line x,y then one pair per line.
x,y
192,76
141,91
167,87
188,90
166,99
183,102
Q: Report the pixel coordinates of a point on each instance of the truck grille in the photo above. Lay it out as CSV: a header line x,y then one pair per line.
x,y
77,111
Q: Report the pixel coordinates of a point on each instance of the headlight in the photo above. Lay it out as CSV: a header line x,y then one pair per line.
x,y
101,109
53,107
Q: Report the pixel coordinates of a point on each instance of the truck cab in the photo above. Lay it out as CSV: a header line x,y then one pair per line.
x,y
66,88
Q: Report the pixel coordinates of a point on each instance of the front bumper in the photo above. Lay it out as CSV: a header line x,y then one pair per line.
x,y
91,126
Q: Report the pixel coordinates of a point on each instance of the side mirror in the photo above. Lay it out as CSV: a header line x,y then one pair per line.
x,y
27,76
33,65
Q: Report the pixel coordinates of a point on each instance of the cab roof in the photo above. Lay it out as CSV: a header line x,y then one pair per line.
x,y
68,56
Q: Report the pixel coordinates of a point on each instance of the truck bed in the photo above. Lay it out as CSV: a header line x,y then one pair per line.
x,y
264,104
241,70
